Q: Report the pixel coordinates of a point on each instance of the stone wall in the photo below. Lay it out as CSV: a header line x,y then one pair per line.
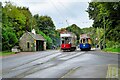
x,y
25,40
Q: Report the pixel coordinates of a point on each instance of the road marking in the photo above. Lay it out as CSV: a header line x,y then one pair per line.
x,y
29,62
70,72
65,58
66,54
40,61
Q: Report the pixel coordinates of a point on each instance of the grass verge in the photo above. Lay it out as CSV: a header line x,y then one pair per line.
x,y
5,53
112,50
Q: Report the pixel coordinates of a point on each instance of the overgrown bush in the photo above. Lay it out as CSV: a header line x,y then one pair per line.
x,y
48,40
112,44
116,45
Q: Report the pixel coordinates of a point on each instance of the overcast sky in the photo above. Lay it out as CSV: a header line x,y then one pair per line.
x,y
62,12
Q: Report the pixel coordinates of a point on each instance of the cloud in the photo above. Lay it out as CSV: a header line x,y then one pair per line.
x,y
59,10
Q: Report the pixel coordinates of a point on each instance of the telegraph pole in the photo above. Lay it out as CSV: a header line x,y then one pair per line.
x,y
104,32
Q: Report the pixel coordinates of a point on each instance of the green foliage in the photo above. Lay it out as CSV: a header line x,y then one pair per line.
x,y
14,21
0,26
6,53
112,44
98,11
17,20
75,29
46,25
48,39
112,49
107,14
56,38
28,17
9,39
0,11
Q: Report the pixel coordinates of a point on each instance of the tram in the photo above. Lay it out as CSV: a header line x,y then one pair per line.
x,y
68,41
85,42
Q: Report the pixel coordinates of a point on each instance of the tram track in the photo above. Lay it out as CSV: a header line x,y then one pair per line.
x,y
8,69
30,68
54,64
13,69
29,71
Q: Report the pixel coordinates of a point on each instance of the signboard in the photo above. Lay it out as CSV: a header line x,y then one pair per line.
x,y
65,35
84,36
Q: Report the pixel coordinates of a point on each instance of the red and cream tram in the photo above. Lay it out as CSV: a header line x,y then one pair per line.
x,y
68,41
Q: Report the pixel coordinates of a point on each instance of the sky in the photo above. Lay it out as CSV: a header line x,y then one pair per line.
x,y
63,12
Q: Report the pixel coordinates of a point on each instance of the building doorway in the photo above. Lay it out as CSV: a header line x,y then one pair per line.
x,y
39,45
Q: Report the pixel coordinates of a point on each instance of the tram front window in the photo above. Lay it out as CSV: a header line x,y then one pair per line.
x,y
63,41
66,40
83,40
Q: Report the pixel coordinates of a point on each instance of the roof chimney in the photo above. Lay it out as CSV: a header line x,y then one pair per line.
x,y
33,31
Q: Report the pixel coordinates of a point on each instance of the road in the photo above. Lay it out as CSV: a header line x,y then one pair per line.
x,y
58,64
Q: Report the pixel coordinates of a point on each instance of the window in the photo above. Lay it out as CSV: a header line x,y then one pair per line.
x,y
66,40
63,40
83,40
89,41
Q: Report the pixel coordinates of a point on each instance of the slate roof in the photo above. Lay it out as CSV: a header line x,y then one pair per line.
x,y
37,36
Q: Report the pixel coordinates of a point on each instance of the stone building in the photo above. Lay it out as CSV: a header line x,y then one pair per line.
x,y
30,41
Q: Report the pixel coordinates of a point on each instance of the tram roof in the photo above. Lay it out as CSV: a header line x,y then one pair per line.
x,y
68,34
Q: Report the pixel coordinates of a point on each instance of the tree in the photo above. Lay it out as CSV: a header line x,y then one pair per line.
x,y
9,39
12,17
48,40
46,25
75,29
110,11
13,24
29,20
17,20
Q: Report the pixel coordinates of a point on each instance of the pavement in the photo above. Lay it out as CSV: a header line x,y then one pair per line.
x,y
58,64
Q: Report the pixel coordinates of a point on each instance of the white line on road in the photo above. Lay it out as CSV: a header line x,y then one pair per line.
x,y
70,72
77,54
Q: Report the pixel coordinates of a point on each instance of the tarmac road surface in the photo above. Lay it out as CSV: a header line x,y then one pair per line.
x,y
58,64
